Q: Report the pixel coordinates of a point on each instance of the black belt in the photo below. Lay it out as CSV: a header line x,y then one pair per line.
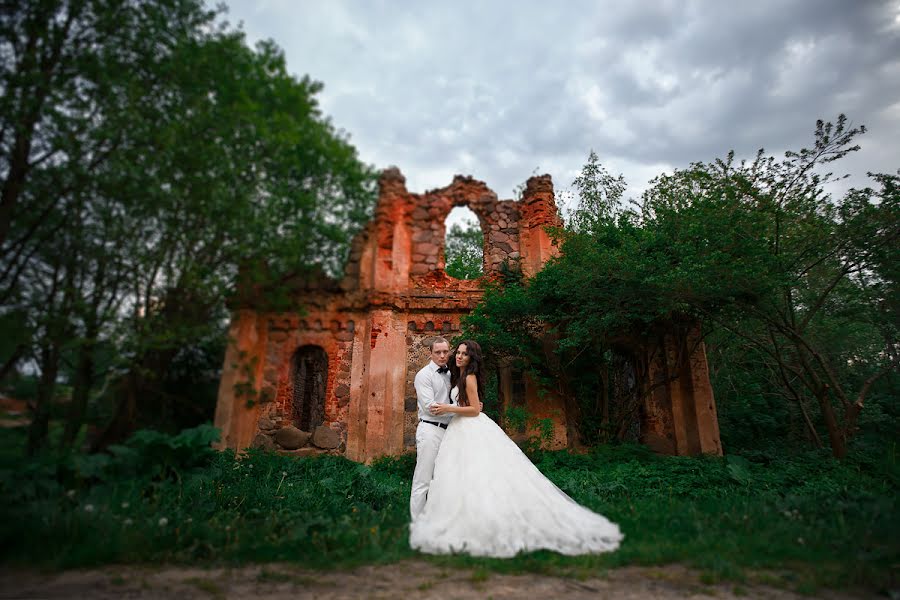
x,y
441,425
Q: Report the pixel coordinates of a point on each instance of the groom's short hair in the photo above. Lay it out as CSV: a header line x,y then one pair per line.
x,y
438,340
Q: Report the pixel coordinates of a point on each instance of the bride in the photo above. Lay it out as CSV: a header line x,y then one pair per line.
x,y
487,498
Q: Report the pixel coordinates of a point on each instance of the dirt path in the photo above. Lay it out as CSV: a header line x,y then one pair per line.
x,y
410,579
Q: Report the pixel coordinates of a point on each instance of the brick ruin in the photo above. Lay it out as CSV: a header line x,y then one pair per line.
x,y
337,375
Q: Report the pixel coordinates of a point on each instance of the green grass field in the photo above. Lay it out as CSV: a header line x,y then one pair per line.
x,y
804,521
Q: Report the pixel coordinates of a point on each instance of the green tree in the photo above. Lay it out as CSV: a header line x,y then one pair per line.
x,y
69,75
465,251
599,194
182,161
803,281
756,249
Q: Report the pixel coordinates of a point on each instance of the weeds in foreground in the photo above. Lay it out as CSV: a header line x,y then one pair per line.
x,y
808,520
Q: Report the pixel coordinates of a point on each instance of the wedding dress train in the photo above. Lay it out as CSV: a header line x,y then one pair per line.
x,y
488,499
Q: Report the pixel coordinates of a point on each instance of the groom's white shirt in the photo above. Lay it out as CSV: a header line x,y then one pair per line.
x,y
431,388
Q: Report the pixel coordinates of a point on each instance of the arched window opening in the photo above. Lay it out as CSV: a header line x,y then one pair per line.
x,y
309,376
464,244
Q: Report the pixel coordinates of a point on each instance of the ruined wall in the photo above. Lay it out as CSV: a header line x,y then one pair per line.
x,y
375,323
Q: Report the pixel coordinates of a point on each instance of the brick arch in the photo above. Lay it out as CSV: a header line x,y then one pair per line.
x,y
484,220
480,207
498,219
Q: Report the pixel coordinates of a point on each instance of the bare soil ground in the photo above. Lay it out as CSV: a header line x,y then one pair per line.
x,y
409,579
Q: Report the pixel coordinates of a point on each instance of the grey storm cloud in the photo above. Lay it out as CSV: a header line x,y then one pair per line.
x,y
499,89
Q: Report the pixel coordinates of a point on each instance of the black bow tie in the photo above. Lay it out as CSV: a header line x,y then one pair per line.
x,y
443,369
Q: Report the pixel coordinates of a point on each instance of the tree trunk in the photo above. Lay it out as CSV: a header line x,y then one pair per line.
x,y
124,418
40,422
15,178
810,428
81,390
573,414
12,360
139,402
604,402
40,69
835,434
851,416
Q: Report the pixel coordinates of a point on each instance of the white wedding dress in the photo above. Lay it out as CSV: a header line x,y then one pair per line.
x,y
488,499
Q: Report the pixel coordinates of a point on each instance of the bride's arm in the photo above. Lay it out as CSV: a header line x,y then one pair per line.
x,y
467,411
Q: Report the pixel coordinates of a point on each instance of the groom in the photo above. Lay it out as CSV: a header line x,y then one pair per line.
x,y
432,387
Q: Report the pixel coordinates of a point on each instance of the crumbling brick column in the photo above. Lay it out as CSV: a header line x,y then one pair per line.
x,y
679,412
237,408
538,210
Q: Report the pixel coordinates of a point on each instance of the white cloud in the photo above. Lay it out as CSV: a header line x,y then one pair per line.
x,y
497,89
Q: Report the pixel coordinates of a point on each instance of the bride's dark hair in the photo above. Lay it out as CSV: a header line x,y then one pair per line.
x,y
475,367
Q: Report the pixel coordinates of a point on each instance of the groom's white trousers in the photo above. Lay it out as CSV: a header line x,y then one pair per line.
x,y
428,441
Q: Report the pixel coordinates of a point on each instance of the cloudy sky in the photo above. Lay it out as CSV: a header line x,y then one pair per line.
x,y
501,90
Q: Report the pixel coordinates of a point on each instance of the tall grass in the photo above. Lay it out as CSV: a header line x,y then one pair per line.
x,y
806,519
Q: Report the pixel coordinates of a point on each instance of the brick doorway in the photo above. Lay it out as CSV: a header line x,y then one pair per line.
x,y
309,374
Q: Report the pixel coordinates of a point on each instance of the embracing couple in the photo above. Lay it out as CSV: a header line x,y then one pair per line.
x,y
473,490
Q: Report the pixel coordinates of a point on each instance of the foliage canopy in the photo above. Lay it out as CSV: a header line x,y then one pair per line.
x,y
151,162
758,249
